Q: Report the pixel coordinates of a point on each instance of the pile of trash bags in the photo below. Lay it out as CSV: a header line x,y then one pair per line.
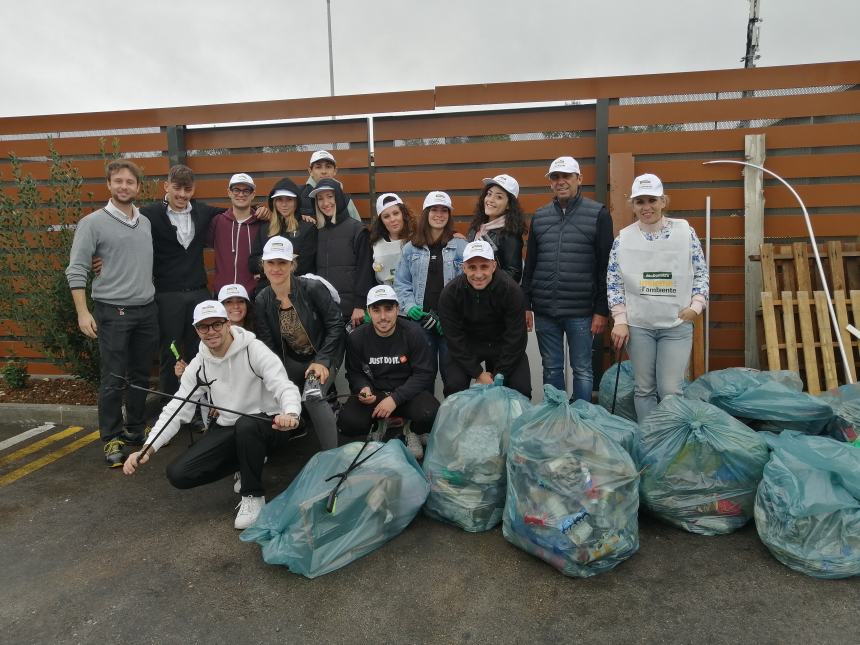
x,y
700,466
845,401
572,491
465,457
624,401
807,510
621,430
374,503
770,400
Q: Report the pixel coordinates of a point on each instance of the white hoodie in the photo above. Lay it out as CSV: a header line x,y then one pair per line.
x,y
249,378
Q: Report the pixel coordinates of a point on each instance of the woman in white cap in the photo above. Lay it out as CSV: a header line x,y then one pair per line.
x,y
285,221
389,231
657,283
297,318
432,258
498,220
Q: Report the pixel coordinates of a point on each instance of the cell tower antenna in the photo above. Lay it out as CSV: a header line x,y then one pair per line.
x,y
752,34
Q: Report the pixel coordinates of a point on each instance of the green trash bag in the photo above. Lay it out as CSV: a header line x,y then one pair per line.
x,y
573,493
622,430
606,392
376,501
771,400
700,466
807,510
845,401
465,456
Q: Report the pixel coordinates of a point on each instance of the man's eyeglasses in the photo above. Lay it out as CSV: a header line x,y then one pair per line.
x,y
241,191
204,327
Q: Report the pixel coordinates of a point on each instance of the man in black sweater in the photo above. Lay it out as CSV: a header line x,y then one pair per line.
x,y
484,319
179,227
389,369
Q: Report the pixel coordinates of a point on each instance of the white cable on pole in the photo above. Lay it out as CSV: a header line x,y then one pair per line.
x,y
814,243
708,263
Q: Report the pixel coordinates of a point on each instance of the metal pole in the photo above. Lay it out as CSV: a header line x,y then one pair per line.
x,y
371,166
821,274
708,263
330,54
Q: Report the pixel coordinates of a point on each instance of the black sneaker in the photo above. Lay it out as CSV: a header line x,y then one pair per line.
x,y
114,455
134,438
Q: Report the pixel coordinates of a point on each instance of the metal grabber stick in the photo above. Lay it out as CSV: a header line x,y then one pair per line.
x,y
617,376
187,399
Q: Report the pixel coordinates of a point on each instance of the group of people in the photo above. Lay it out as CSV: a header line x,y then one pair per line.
x,y
304,287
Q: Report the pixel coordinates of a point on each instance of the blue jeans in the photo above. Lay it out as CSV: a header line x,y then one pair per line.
x,y
659,358
550,336
439,351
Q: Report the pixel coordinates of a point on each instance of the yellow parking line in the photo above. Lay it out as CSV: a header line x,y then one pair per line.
x,y
38,445
18,473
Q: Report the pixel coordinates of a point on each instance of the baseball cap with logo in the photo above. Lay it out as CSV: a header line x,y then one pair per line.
x,y
209,309
566,165
437,198
381,293
278,248
241,178
392,198
478,249
647,184
233,291
505,182
282,192
321,155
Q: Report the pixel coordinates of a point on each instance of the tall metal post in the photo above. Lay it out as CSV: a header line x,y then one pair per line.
x,y
330,49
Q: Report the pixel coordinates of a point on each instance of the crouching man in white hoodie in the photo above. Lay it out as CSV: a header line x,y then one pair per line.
x,y
245,376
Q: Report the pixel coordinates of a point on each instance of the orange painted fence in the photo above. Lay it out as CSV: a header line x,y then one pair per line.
x,y
616,127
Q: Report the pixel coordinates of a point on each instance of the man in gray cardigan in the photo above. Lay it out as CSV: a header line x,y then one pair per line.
x,y
124,317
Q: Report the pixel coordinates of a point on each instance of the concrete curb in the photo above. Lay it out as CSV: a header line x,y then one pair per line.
x,y
81,415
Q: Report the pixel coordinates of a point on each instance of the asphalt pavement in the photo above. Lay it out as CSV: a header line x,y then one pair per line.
x,y
90,555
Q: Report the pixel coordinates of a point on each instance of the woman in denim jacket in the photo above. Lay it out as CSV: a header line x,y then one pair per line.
x,y
431,260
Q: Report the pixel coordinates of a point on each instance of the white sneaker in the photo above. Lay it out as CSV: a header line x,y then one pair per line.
x,y
249,509
413,445
237,482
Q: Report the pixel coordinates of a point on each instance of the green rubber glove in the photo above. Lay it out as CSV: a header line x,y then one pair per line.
x,y
439,327
366,316
416,313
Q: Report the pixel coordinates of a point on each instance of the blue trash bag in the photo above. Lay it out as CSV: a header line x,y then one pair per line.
x,y
845,401
622,430
700,466
807,510
771,400
376,501
465,456
624,401
573,493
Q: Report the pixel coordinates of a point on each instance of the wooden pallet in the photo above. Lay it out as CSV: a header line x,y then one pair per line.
x,y
791,267
821,365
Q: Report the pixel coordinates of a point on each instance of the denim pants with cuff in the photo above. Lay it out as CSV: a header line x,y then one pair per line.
x,y
550,336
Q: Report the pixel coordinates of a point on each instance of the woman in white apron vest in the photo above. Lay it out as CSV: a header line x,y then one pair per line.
x,y
389,231
657,283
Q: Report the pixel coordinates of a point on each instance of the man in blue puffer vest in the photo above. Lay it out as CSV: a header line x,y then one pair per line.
x,y
564,280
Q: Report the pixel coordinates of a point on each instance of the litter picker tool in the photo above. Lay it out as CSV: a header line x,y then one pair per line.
x,y
617,376
814,244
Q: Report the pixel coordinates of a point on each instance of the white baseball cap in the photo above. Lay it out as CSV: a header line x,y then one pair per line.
x,y
438,198
381,293
647,184
283,192
209,309
319,155
478,249
241,178
505,182
565,165
278,248
381,206
233,291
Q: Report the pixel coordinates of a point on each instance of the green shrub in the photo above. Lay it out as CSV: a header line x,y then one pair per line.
x,y
15,374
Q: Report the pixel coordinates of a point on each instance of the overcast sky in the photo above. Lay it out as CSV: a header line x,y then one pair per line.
x,y
90,55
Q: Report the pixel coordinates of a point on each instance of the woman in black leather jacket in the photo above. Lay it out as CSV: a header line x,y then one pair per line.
x,y
498,220
299,320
